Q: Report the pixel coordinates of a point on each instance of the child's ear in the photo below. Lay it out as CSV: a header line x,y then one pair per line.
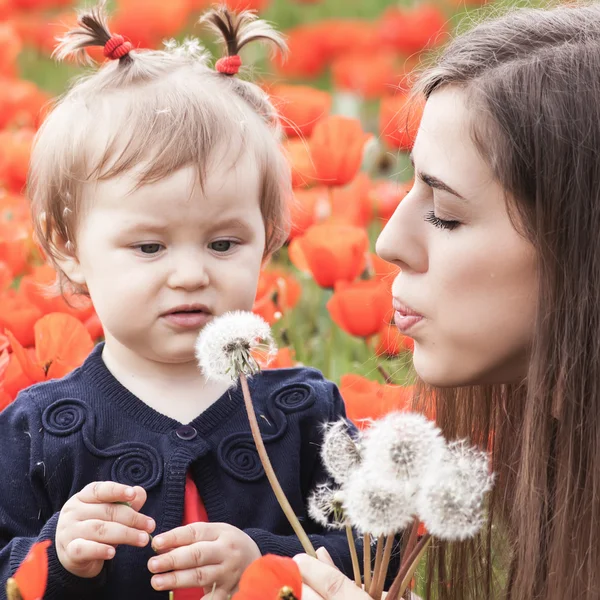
x,y
68,262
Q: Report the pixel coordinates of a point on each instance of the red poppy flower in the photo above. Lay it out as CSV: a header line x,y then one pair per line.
x,y
14,158
277,293
10,47
386,195
284,359
307,55
369,75
14,245
301,162
308,207
61,344
21,103
147,22
300,107
19,315
360,308
331,252
336,146
270,578
14,379
410,30
399,120
352,203
345,36
391,342
32,576
5,398
368,400
35,287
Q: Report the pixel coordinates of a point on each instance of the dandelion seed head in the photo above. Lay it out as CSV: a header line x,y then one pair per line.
x,y
451,501
403,444
228,345
325,507
340,452
378,505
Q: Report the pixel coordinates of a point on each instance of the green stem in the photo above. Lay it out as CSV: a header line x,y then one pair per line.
x,y
266,463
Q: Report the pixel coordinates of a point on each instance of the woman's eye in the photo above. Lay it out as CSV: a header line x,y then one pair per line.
x,y
149,248
441,223
222,245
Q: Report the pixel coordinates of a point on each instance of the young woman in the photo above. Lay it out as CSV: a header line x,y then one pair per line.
x,y
499,246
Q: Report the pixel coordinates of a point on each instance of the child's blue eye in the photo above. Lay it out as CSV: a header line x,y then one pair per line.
x,y
149,248
441,223
222,245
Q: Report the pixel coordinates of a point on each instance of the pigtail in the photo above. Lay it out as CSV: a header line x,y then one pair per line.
x,y
235,31
92,30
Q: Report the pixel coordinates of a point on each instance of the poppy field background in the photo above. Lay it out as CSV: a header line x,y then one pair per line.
x,y
342,95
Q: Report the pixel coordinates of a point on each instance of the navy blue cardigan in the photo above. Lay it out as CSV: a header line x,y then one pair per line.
x,y
61,435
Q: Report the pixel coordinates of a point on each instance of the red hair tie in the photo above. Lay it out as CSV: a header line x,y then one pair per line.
x,y
229,65
117,47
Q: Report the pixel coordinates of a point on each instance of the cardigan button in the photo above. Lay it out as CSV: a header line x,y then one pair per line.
x,y
186,432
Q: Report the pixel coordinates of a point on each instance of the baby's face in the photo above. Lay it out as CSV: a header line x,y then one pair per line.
x,y
160,261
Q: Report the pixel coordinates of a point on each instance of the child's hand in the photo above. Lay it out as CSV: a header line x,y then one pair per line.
x,y
93,522
200,555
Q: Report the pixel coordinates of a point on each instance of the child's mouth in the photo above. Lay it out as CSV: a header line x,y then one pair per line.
x,y
188,317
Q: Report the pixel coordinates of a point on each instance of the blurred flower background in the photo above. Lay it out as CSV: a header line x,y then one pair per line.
x,y
342,95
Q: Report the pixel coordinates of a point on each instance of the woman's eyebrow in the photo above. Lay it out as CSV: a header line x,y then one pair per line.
x,y
434,182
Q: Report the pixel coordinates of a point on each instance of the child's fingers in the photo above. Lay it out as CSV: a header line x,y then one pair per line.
x,y
186,535
82,551
218,594
118,513
109,532
140,498
187,557
100,492
189,578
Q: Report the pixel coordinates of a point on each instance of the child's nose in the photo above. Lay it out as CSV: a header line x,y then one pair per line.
x,y
188,271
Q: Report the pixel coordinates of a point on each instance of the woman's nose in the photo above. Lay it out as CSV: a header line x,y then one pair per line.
x,y
403,239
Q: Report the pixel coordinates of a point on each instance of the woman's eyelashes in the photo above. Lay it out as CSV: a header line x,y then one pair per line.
x,y
431,217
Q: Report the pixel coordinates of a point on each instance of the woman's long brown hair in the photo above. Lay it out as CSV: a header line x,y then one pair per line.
x,y
532,79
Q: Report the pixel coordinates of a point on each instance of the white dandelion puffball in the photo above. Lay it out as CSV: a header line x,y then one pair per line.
x,y
403,444
340,452
226,345
377,504
325,507
451,499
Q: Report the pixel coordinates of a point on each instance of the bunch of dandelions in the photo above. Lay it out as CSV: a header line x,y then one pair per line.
x,y
227,350
401,472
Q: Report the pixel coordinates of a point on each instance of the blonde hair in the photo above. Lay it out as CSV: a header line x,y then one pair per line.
x,y
159,110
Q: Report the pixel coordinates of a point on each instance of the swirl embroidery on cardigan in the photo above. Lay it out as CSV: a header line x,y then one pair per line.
x,y
237,453
134,463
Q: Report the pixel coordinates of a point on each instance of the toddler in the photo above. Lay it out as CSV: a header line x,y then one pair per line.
x,y
159,188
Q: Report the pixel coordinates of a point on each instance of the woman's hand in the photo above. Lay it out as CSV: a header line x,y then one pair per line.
x,y
323,581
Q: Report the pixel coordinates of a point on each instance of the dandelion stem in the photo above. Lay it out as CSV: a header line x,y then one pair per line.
x,y
12,590
412,539
378,557
387,553
354,555
266,463
367,559
385,374
409,564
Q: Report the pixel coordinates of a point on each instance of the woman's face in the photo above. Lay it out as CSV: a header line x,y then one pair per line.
x,y
467,289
